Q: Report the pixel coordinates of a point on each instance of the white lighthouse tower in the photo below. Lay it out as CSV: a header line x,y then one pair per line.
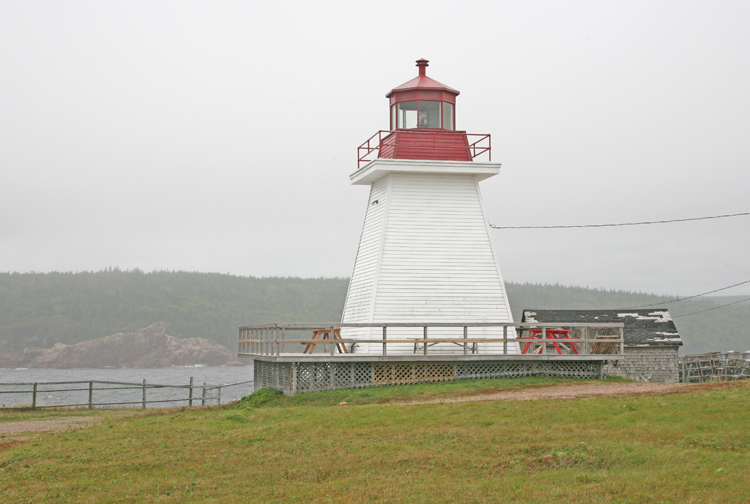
x,y
425,254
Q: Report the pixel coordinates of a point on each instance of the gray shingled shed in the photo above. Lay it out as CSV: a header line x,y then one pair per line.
x,y
651,339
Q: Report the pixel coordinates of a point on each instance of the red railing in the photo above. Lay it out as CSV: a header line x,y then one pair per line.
x,y
481,145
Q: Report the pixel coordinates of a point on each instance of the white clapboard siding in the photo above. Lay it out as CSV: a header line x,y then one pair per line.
x,y
425,255
362,286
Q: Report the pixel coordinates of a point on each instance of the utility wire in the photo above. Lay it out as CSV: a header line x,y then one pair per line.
x,y
711,309
689,297
678,299
621,224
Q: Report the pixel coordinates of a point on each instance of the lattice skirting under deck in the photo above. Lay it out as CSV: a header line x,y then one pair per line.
x,y
295,377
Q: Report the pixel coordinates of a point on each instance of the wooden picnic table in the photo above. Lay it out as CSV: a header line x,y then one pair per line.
x,y
553,337
325,334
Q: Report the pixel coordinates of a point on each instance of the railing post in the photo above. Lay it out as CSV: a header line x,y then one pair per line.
x,y
622,341
424,350
466,331
218,396
544,340
278,345
33,397
190,394
585,350
144,394
91,394
385,351
505,340
331,344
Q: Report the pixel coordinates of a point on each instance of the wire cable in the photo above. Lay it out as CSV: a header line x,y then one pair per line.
x,y
689,297
711,309
622,223
674,300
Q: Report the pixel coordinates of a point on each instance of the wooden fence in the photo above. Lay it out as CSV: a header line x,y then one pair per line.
x,y
189,395
715,366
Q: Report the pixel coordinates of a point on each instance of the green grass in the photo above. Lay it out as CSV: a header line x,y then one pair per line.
x,y
406,393
671,448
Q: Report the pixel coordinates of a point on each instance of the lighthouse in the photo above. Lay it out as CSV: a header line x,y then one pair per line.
x,y
425,255
426,299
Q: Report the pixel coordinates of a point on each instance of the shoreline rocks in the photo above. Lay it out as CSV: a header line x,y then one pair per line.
x,y
147,347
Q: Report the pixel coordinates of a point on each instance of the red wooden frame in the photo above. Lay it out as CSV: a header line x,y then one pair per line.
x,y
550,334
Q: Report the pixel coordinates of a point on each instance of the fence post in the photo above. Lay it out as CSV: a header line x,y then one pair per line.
x,y
190,394
33,397
144,394
294,378
91,395
218,396
683,370
203,399
726,367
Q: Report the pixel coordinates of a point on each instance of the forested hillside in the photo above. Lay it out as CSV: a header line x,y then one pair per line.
x,y
41,309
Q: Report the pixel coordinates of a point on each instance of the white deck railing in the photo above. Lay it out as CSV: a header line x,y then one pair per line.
x,y
547,340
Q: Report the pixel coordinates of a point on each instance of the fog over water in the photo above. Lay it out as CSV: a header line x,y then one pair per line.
x,y
219,136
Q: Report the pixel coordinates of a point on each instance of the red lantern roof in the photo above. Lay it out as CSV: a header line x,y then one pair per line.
x,y
422,87
423,125
422,83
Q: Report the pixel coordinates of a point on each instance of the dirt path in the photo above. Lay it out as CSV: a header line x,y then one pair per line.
x,y
47,424
577,390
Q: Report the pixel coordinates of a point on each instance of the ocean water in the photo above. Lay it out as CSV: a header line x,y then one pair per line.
x,y
50,394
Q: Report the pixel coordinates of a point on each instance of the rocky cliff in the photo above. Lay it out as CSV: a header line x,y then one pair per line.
x,y
148,347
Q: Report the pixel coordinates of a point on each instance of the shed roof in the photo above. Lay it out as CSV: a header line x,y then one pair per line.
x,y
651,327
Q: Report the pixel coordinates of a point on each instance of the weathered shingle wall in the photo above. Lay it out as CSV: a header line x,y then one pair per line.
x,y
649,364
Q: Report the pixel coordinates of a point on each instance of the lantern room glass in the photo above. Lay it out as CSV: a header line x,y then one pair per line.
x,y
448,116
407,114
429,114
422,114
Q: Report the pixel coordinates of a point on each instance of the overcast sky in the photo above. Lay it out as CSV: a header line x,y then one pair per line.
x,y
219,136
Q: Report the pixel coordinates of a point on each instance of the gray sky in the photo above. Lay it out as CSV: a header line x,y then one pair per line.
x,y
219,136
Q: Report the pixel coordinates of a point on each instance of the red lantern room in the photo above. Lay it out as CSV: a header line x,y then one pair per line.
x,y
423,125
423,103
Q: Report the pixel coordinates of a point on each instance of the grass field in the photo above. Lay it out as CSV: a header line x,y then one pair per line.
x,y
690,447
